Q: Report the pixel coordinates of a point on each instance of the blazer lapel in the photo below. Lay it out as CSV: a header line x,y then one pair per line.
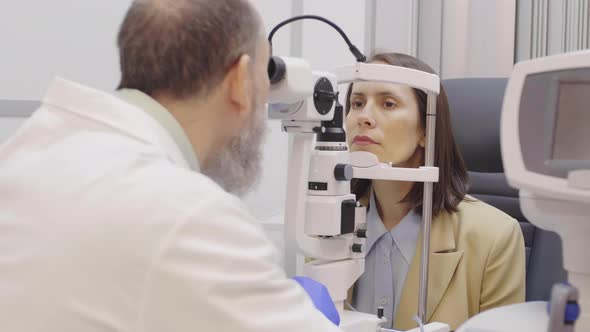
x,y
444,259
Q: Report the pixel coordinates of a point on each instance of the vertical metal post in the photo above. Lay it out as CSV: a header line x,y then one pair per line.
x,y
570,26
414,26
578,20
296,29
564,27
427,206
370,26
545,32
535,30
584,11
585,26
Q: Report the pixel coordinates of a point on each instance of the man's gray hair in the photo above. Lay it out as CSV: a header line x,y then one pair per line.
x,y
184,47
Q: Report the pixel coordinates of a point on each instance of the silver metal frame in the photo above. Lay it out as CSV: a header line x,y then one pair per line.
x,y
427,207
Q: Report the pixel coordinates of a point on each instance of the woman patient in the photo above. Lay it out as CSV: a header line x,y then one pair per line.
x,y
477,259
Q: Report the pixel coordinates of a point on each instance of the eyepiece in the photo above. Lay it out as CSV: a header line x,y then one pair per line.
x,y
276,69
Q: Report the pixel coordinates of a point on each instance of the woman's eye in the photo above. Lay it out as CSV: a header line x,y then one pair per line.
x,y
389,104
356,104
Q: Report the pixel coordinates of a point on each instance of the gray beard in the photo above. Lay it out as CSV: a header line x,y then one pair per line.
x,y
236,168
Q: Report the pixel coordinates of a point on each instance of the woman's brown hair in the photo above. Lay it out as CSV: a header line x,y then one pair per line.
x,y
453,180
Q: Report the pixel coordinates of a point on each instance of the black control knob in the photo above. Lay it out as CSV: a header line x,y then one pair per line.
x,y
362,233
323,96
357,247
343,172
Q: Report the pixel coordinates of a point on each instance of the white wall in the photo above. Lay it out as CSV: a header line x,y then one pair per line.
x,y
397,26
77,40
548,27
458,38
74,39
268,200
478,38
322,46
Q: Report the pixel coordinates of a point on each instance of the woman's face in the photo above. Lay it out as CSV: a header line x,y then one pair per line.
x,y
384,120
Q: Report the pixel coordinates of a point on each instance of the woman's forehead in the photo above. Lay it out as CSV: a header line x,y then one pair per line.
x,y
382,88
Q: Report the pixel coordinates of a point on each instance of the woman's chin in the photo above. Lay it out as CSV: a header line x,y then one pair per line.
x,y
366,148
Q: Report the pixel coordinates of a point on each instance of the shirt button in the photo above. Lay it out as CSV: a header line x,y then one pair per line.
x,y
383,301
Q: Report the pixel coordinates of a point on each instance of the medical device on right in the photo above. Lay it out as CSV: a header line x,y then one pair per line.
x,y
545,138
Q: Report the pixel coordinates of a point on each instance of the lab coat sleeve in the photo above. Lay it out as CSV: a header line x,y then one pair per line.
x,y
504,275
216,271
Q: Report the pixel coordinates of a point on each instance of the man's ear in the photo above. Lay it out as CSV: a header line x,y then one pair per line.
x,y
237,83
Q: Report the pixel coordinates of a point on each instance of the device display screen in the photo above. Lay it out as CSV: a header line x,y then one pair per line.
x,y
571,139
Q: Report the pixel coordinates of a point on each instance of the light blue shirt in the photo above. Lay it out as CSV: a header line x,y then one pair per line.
x,y
387,263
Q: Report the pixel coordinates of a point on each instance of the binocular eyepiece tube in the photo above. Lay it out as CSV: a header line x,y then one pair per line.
x,y
276,69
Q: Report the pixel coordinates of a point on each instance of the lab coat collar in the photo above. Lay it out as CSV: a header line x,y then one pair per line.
x,y
164,118
104,108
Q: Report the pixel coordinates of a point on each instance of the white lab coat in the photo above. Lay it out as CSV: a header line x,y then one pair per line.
x,y
104,228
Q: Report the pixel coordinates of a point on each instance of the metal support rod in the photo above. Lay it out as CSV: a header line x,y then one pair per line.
x,y
585,25
427,206
534,28
545,32
570,21
563,38
578,13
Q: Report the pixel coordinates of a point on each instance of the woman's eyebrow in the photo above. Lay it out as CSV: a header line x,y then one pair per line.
x,y
388,93
381,93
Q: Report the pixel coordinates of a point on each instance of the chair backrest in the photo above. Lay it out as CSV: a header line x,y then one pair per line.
x,y
476,105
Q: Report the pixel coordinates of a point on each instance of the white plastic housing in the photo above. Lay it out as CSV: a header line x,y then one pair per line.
x,y
297,85
521,317
389,74
321,169
367,166
572,222
323,214
549,202
337,276
517,174
356,321
292,98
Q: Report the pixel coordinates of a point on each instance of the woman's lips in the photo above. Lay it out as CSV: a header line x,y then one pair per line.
x,y
363,140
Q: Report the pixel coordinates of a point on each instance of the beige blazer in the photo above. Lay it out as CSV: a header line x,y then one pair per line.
x,y
477,262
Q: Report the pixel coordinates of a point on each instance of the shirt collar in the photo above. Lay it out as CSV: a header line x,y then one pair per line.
x,y
405,234
375,227
165,119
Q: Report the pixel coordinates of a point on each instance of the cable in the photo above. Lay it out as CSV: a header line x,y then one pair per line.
x,y
360,57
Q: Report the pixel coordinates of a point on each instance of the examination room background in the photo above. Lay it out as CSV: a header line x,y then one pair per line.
x,y
459,38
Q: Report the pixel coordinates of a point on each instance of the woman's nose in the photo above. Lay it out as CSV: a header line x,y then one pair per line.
x,y
365,118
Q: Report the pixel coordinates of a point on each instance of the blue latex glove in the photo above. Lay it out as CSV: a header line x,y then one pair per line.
x,y
320,297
